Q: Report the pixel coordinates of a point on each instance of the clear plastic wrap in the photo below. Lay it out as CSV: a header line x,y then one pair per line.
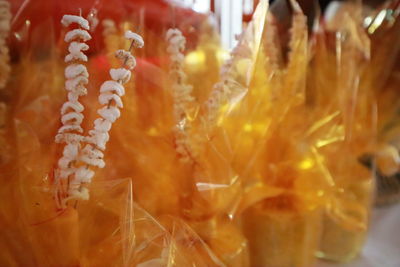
x,y
250,160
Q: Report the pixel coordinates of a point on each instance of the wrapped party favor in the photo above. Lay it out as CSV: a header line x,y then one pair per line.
x,y
131,136
346,227
85,183
385,41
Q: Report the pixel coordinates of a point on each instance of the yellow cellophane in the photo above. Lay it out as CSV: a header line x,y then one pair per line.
x,y
271,181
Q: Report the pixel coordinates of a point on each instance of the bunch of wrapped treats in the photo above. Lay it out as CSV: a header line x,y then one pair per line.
x,y
130,137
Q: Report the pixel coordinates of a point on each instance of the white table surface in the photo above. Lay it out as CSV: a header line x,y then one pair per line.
x,y
383,244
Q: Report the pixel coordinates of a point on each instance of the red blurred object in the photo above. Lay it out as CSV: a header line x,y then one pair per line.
x,y
157,15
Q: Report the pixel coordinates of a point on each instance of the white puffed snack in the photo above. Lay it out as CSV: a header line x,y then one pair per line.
x,y
74,70
136,38
92,161
106,98
178,41
78,90
75,191
64,162
112,86
73,97
75,84
98,138
178,74
120,75
70,132
84,175
70,128
92,152
79,56
77,34
172,32
179,57
76,47
102,125
64,173
69,19
126,58
68,138
75,52
181,92
174,49
74,118
69,105
78,193
111,114
71,151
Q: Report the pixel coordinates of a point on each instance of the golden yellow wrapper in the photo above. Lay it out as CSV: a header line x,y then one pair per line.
x,y
274,144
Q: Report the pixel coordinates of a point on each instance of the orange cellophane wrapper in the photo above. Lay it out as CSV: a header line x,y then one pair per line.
x,y
108,230
350,183
263,179
287,128
346,224
111,229
203,192
271,152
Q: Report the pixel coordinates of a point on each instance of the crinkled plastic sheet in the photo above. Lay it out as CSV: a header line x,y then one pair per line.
x,y
297,137
269,160
110,229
